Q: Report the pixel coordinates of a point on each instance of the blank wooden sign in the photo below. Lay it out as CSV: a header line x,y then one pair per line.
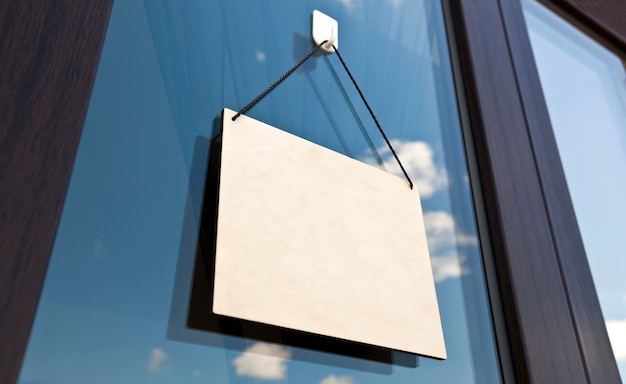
x,y
312,240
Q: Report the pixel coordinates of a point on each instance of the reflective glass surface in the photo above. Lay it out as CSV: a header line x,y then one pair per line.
x,y
117,301
585,89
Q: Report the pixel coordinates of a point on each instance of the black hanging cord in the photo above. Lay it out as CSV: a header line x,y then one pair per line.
x,y
373,116
280,80
298,64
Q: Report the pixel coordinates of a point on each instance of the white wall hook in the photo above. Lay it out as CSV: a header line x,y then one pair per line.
x,y
324,28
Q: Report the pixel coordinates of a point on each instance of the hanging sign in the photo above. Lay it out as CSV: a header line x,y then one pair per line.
x,y
312,240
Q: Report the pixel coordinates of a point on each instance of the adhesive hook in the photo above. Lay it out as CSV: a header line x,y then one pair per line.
x,y
328,47
325,28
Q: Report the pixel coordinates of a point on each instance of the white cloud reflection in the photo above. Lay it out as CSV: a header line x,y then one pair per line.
x,y
349,4
263,361
332,379
441,231
158,357
352,4
447,266
617,335
417,157
443,242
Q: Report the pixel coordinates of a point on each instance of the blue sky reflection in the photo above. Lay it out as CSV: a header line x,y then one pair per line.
x,y
167,70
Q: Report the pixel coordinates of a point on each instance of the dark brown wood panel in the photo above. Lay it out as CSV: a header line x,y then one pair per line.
x,y
607,18
49,54
541,332
594,344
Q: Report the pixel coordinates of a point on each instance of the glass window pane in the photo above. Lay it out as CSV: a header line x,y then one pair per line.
x,y
585,89
115,306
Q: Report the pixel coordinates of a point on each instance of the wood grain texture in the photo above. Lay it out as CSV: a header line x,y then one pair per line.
x,y
541,331
607,18
600,364
50,50
312,240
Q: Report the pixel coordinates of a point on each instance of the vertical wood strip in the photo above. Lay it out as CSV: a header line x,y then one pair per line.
x,y
50,51
597,355
543,340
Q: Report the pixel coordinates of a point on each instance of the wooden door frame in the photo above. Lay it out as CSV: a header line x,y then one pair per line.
x,y
555,327
556,333
49,52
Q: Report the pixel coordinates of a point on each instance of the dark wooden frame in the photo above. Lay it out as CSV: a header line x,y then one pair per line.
x,y
49,52
555,328
605,18
556,333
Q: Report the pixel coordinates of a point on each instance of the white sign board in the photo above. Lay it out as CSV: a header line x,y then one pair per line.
x,y
312,240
